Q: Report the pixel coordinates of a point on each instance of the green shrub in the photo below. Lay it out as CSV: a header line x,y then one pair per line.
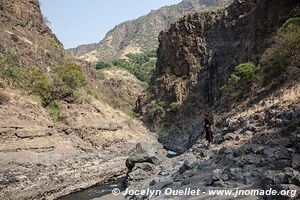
x,y
140,65
53,46
290,24
162,104
100,74
274,63
233,79
36,82
284,53
103,65
156,110
173,78
10,69
175,105
243,76
30,79
67,78
92,91
82,96
185,77
55,111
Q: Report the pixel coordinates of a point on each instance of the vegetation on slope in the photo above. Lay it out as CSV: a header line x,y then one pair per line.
x,y
241,80
277,64
140,65
285,52
60,84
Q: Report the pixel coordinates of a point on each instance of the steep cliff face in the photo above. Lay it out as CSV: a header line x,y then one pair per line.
x,y
199,52
42,157
256,142
24,30
140,35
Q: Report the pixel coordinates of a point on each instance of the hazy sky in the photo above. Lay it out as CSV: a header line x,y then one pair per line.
x,y
78,22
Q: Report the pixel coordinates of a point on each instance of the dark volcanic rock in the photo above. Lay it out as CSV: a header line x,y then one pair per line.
x,y
144,152
198,53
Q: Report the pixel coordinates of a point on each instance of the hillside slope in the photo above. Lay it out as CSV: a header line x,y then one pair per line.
x,y
56,134
140,35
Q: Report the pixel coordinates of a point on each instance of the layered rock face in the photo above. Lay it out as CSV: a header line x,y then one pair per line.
x,y
41,158
201,50
197,55
24,30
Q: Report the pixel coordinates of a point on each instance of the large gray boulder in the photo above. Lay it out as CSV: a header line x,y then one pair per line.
x,y
144,152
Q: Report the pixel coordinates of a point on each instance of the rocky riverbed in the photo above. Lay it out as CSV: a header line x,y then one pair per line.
x,y
257,148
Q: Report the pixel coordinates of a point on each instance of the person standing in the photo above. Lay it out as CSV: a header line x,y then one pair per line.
x,y
138,104
207,128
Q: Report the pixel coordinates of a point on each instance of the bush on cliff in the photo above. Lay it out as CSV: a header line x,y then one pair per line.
x,y
32,80
175,105
55,110
61,84
36,82
240,81
10,70
66,79
157,109
284,53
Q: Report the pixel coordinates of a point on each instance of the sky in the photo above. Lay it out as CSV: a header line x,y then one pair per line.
x,y
78,22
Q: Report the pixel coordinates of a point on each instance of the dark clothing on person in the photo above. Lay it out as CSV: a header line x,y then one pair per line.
x,y
207,127
138,104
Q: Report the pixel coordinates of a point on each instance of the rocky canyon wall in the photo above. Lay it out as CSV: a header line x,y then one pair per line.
x,y
199,52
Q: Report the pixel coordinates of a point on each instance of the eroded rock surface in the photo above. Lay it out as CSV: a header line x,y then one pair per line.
x,y
40,159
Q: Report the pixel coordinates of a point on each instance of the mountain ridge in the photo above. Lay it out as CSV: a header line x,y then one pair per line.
x,y
140,35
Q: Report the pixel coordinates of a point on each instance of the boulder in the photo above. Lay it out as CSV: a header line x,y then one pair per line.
x,y
236,173
229,136
204,153
219,183
296,161
226,150
270,152
251,128
216,175
188,164
259,150
248,133
141,171
144,152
